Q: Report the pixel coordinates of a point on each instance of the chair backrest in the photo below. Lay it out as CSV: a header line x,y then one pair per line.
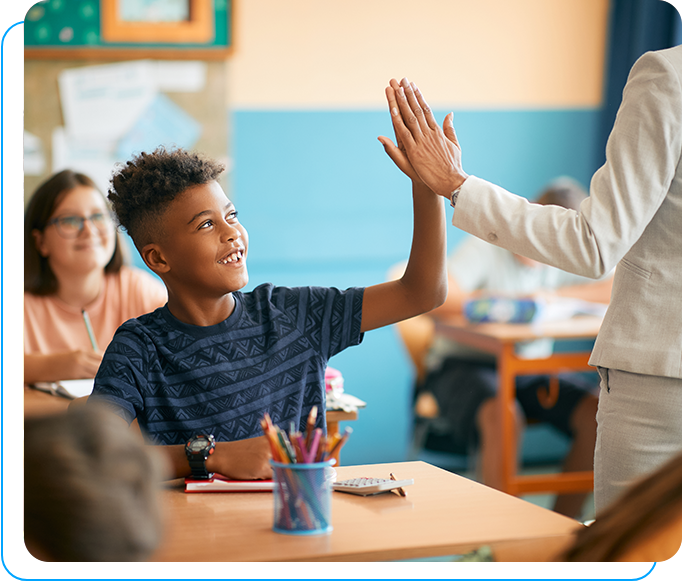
x,y
416,335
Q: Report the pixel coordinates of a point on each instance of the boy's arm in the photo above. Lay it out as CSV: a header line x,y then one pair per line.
x,y
454,302
239,460
423,286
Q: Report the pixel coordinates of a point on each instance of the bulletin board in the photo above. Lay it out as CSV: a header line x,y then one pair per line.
x,y
97,30
44,113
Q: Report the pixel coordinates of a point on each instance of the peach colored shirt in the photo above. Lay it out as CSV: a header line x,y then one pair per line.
x,y
50,325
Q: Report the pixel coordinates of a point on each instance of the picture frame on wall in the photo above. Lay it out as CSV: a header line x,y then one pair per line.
x,y
157,21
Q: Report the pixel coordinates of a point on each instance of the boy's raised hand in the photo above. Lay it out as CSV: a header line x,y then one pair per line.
x,y
423,285
397,153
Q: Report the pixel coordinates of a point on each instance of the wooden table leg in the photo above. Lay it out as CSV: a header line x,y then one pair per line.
x,y
507,401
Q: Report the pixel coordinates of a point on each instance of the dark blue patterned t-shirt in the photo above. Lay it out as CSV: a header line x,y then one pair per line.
x,y
269,355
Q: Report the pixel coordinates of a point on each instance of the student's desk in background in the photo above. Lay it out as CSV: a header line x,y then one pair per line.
x,y
442,514
500,339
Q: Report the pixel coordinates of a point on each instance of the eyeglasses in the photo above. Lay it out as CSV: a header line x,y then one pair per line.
x,y
72,226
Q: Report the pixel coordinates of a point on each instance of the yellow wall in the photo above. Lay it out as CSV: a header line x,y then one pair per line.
x,y
310,54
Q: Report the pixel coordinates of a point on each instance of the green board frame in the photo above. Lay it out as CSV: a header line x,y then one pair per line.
x,y
72,29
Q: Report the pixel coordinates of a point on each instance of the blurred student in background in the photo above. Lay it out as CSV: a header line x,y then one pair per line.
x,y
463,381
73,262
90,489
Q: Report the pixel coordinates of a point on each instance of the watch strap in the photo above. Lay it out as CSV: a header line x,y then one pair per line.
x,y
197,465
454,194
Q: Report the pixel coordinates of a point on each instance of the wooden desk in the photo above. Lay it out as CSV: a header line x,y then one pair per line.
x,y
38,403
443,514
336,416
501,339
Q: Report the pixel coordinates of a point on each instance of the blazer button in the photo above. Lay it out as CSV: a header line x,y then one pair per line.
x,y
492,237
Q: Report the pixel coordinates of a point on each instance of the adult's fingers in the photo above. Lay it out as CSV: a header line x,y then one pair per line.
x,y
408,117
428,114
402,132
449,129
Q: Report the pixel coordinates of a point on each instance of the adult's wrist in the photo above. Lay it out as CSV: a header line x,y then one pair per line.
x,y
455,183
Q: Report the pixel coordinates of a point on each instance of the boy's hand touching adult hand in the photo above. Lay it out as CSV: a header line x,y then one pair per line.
x,y
398,153
242,459
434,154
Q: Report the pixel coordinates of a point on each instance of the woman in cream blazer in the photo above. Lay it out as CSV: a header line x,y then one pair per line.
x,y
632,220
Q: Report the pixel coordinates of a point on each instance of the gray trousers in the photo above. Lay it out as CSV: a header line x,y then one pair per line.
x,y
639,428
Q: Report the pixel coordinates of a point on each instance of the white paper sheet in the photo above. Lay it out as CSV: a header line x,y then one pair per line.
x,y
93,157
34,156
104,101
180,76
162,123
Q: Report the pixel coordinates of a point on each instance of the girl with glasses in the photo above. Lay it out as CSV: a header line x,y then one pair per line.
x,y
74,272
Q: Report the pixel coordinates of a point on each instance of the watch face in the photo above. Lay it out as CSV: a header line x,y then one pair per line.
x,y
198,445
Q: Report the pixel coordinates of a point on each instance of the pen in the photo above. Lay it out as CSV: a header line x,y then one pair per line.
x,y
334,452
312,417
400,490
312,450
88,326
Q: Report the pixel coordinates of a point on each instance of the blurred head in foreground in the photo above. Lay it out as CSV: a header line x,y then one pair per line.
x,y
644,524
90,489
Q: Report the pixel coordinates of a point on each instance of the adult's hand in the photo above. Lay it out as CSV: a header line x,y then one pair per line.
x,y
434,153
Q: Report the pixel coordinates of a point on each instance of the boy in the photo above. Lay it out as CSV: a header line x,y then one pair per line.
x,y
214,360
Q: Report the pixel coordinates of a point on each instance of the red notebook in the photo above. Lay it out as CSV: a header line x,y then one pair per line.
x,y
221,484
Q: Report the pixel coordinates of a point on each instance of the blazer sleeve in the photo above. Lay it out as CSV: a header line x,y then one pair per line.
x,y
643,152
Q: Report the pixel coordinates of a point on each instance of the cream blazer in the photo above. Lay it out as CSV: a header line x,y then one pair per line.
x,y
632,221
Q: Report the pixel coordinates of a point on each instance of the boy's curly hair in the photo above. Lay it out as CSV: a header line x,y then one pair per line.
x,y
142,188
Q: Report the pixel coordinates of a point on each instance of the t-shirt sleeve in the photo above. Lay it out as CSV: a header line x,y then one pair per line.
x,y
333,318
122,371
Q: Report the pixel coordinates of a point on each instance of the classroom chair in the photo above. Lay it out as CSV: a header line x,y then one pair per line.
x,y
430,432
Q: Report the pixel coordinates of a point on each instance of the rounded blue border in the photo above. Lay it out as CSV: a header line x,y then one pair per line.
x,y
16,560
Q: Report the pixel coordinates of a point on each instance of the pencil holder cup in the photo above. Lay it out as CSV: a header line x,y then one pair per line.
x,y
303,498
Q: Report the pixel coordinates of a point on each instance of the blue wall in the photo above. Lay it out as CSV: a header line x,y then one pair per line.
x,y
324,205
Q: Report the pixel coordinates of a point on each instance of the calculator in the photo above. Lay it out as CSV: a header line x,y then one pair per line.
x,y
367,486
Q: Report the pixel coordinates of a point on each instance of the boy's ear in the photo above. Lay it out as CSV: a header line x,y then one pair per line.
x,y
153,257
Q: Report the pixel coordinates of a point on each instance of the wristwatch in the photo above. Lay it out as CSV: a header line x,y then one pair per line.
x,y
198,448
454,194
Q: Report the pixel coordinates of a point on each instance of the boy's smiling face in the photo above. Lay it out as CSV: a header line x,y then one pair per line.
x,y
203,246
